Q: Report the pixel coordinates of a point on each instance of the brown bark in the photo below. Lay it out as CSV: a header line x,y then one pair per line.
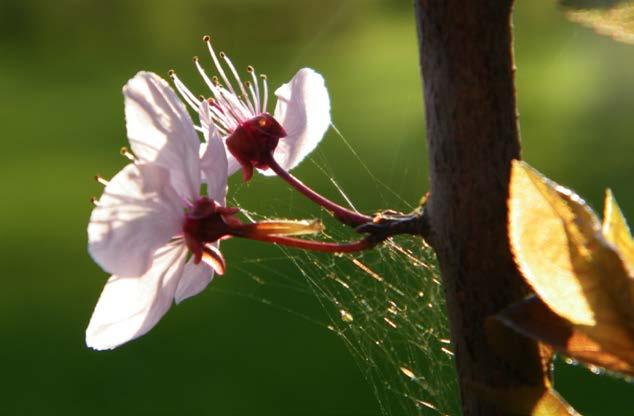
x,y
467,68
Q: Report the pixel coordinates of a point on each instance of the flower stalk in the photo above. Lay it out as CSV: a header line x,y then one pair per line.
x,y
343,214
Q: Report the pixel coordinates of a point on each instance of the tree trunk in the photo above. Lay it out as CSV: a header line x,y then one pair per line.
x,y
467,67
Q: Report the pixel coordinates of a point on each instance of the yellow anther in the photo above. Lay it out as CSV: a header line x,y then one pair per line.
x,y
127,153
101,180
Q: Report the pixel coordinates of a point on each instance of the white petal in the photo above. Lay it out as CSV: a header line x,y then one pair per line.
x,y
161,131
214,164
208,126
130,306
195,279
204,115
232,163
137,213
303,109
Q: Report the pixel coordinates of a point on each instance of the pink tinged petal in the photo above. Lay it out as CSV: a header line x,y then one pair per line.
x,y
209,129
130,306
233,165
195,279
303,109
137,213
161,131
214,165
204,115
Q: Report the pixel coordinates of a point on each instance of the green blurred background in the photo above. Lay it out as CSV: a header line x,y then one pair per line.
x,y
232,350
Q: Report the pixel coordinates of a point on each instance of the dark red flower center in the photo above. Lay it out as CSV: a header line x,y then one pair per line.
x,y
252,143
207,222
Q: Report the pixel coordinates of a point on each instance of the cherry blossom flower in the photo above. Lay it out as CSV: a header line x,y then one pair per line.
x,y
274,144
151,218
143,226
251,134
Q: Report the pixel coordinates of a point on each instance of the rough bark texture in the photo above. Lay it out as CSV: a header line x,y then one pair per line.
x,y
467,67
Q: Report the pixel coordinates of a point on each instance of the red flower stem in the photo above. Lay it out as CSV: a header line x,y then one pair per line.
x,y
341,213
312,245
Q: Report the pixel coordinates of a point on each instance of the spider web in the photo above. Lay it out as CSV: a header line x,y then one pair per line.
x,y
385,304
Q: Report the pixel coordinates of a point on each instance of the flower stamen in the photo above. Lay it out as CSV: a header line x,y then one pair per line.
x,y
211,84
214,85
207,40
224,123
101,180
184,92
239,81
249,85
265,86
256,92
234,106
125,152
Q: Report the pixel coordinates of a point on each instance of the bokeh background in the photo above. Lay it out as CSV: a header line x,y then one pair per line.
x,y
235,350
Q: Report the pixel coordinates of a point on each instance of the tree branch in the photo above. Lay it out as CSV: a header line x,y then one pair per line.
x,y
467,68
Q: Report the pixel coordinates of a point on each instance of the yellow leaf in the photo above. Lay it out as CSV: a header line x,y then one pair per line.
x,y
526,400
616,231
577,269
550,403
557,244
607,346
614,18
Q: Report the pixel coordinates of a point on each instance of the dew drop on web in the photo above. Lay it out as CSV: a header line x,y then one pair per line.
x,y
346,316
